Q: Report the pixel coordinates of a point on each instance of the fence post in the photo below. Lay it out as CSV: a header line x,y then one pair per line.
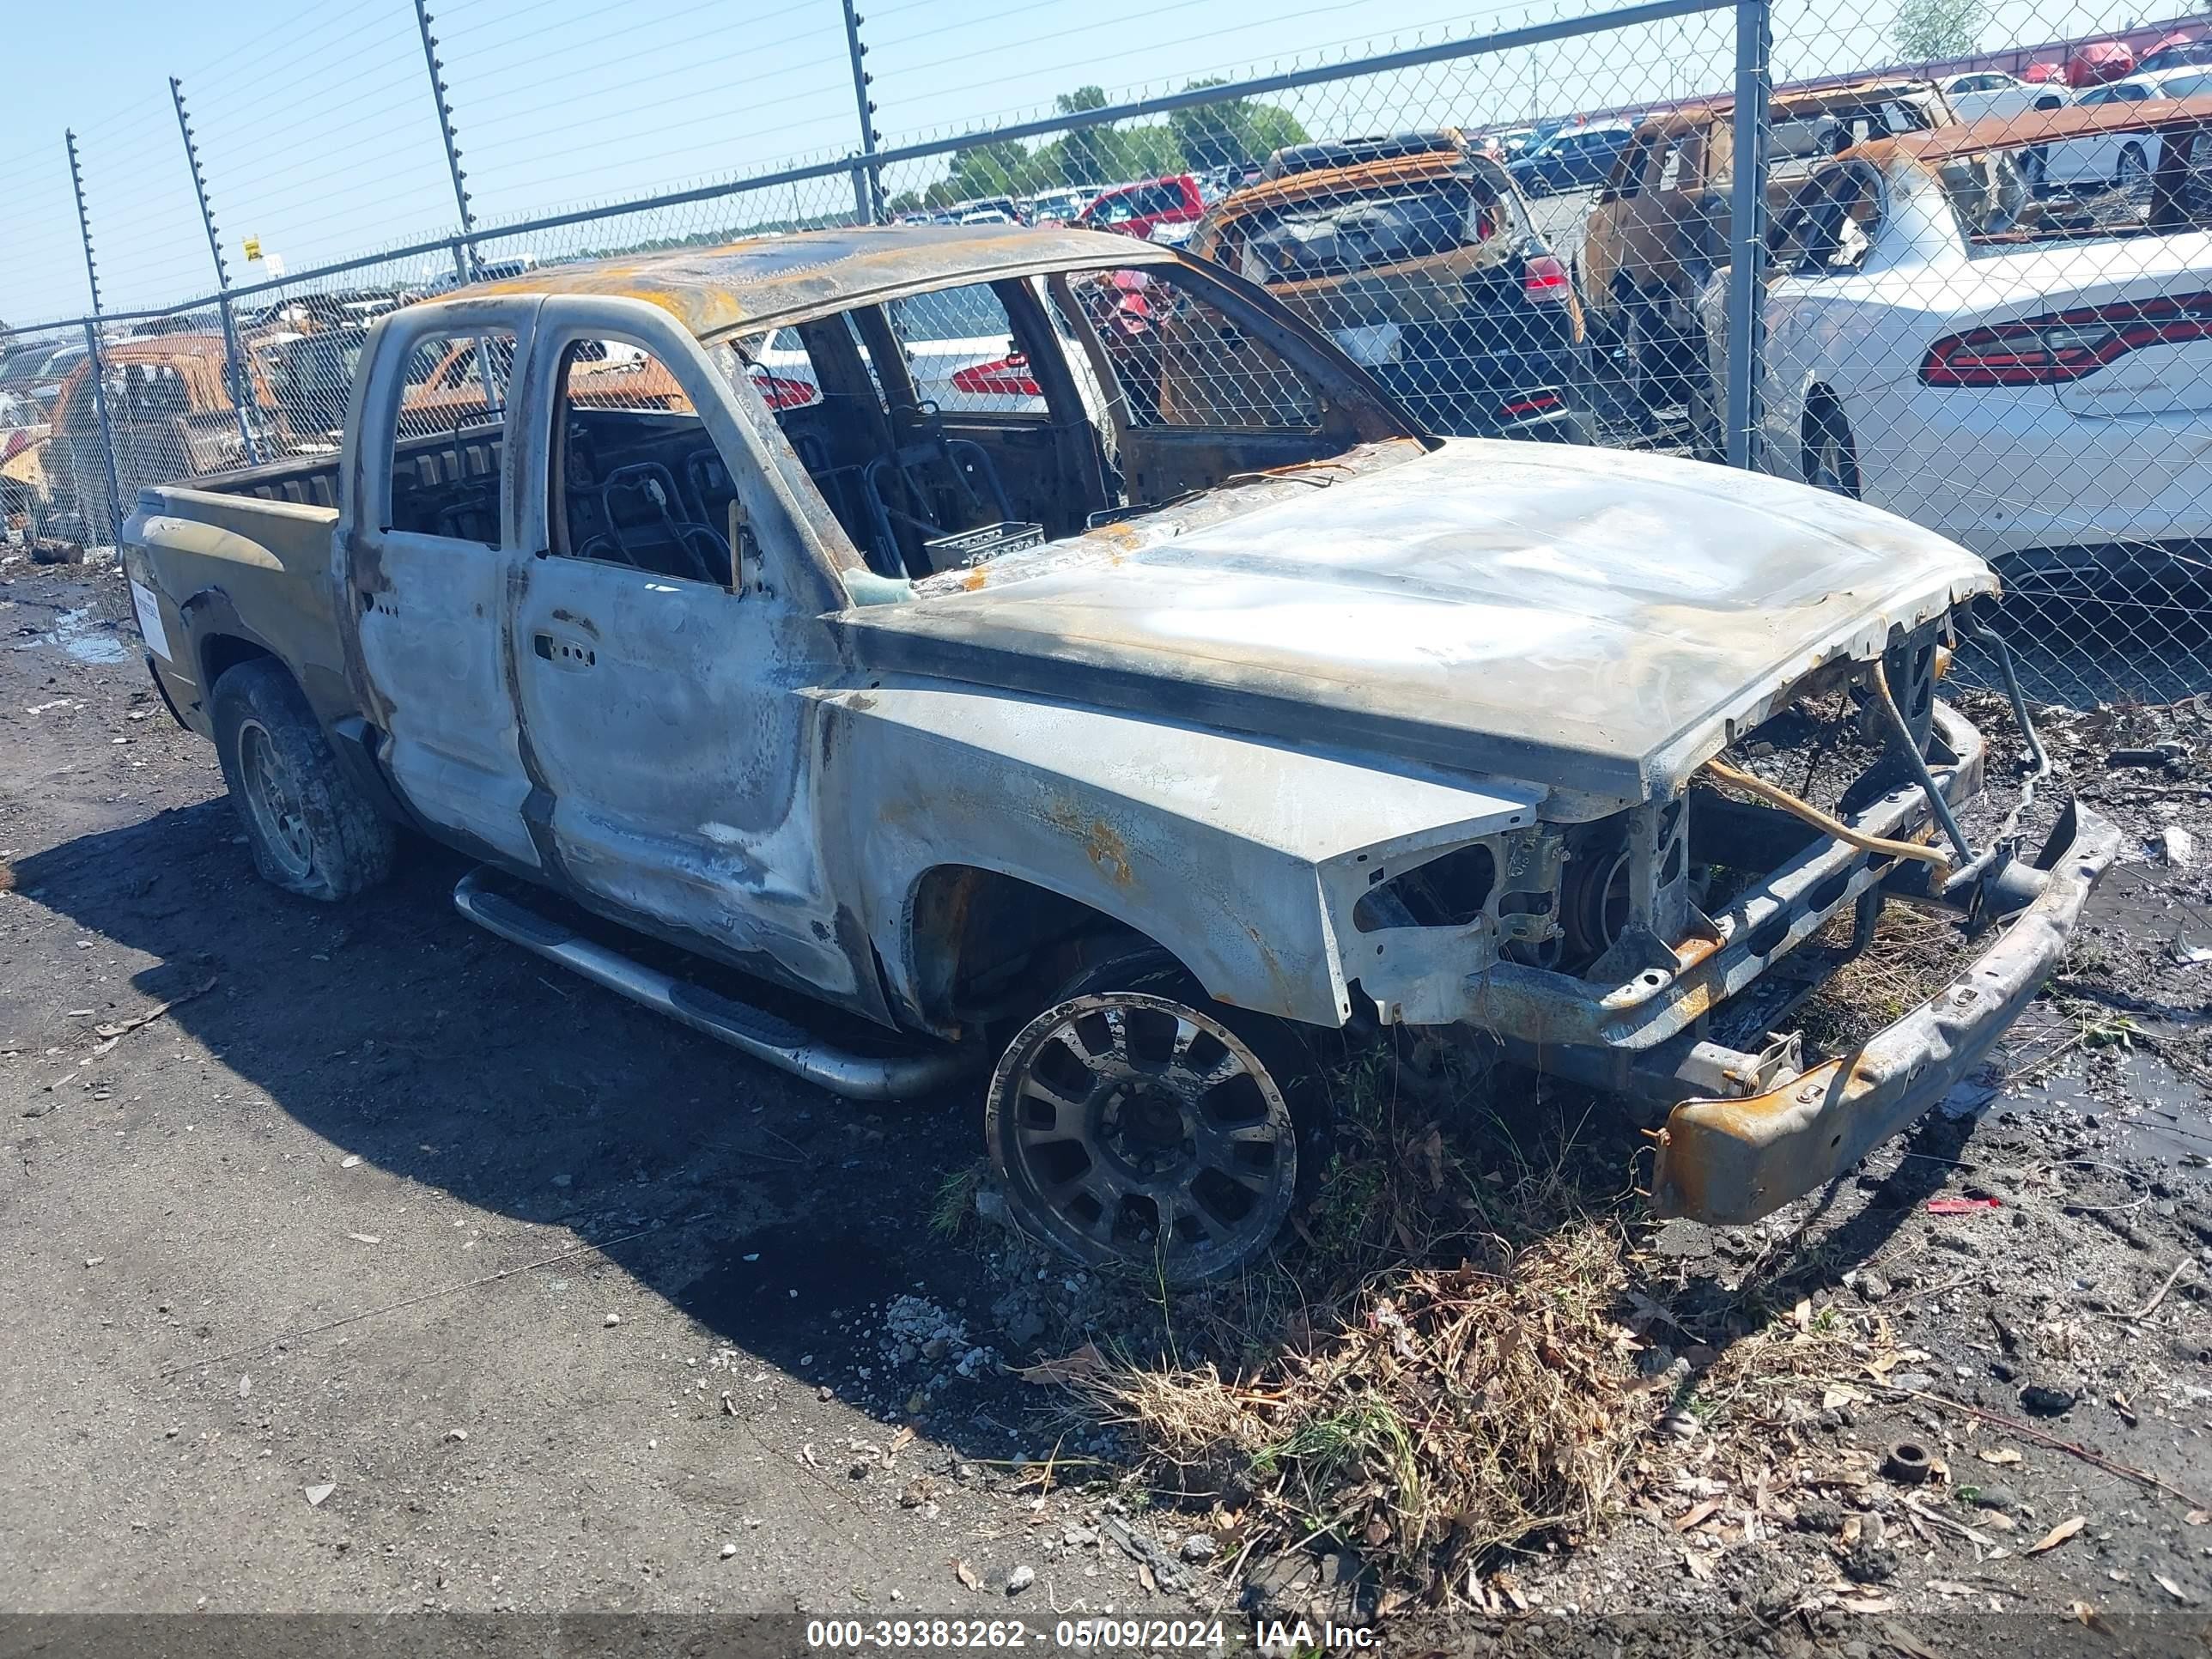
x,y
867,182
242,384
92,366
468,265
1746,334
438,91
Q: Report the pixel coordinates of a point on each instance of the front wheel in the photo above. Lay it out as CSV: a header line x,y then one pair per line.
x,y
1133,1125
310,830
2133,172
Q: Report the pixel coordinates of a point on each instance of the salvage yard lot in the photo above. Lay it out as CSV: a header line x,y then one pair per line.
x,y
571,1309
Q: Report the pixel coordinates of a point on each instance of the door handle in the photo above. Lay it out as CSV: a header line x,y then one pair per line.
x,y
563,652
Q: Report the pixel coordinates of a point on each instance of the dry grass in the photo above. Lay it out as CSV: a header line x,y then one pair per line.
x,y
1442,1370
1912,957
1456,1409
1446,1367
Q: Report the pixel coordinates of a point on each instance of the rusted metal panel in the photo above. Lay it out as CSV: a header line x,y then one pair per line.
x,y
1733,1161
765,282
2044,126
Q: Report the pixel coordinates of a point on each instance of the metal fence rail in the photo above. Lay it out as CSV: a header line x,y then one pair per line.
x,y
1590,228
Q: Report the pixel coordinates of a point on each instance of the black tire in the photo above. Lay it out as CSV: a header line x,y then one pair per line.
x,y
2133,169
312,831
1229,1156
1832,459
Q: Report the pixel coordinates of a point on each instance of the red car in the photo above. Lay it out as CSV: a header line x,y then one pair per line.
x,y
1156,210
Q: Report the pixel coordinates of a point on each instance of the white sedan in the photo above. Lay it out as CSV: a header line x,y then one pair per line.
x,y
2044,402
2123,160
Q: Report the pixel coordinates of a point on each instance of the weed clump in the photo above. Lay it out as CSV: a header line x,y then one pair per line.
x,y
1438,1368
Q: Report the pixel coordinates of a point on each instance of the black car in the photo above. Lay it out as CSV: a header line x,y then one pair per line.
x,y
1573,158
1431,275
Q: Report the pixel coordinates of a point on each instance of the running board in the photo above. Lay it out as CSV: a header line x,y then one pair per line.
x,y
755,1032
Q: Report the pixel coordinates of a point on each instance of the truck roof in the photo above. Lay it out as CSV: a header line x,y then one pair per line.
x,y
763,281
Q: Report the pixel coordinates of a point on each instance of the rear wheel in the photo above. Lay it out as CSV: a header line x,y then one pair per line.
x,y
310,830
1830,460
1136,1123
2133,172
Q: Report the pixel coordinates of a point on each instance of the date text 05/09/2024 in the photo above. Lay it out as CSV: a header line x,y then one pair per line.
x,y
1097,1635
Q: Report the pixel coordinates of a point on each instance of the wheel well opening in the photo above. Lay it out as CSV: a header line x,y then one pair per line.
x,y
220,652
983,943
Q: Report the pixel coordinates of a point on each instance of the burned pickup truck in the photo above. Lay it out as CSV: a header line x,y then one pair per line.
x,y
1107,740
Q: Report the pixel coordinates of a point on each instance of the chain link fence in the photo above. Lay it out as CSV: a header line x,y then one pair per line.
x,y
1975,290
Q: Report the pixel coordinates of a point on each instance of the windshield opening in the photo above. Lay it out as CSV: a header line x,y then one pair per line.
x,y
952,427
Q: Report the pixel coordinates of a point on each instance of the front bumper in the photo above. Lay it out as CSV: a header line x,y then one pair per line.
x,y
1728,1161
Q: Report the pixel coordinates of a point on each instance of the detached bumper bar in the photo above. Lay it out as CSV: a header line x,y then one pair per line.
x,y
1729,1162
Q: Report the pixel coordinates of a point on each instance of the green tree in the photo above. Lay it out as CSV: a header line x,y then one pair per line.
x,y
995,169
1929,31
1086,156
1231,132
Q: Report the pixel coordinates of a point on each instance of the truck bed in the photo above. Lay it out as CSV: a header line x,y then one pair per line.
x,y
446,483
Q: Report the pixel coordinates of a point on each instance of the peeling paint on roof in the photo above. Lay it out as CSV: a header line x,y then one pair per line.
x,y
763,281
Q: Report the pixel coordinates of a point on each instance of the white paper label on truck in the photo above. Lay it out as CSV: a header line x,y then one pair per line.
x,y
149,619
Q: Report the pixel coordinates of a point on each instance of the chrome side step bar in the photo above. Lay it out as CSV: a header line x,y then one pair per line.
x,y
755,1032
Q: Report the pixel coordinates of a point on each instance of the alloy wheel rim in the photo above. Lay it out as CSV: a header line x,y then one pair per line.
x,y
1145,1132
274,800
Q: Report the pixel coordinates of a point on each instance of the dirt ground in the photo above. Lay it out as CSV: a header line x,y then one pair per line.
x,y
382,1269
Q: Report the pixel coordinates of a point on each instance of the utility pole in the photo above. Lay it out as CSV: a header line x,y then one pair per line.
x,y
241,384
867,181
91,349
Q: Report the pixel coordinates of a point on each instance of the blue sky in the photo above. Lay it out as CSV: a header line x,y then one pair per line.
x,y
319,138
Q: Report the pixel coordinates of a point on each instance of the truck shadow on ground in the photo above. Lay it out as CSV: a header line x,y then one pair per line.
x,y
774,1213
771,1214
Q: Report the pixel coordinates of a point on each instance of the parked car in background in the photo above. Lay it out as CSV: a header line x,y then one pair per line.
x,y
2121,158
1007,207
2177,50
1337,152
2097,62
36,369
1154,211
1056,207
488,271
1933,346
1978,94
24,493
1574,158
1660,227
1424,267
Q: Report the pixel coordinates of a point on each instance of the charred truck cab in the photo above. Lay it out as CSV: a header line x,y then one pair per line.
x,y
1054,656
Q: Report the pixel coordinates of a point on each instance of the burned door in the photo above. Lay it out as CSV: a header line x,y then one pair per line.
x,y
428,512
658,662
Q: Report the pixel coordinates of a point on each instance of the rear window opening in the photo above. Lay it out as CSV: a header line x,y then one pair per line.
x,y
1344,235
